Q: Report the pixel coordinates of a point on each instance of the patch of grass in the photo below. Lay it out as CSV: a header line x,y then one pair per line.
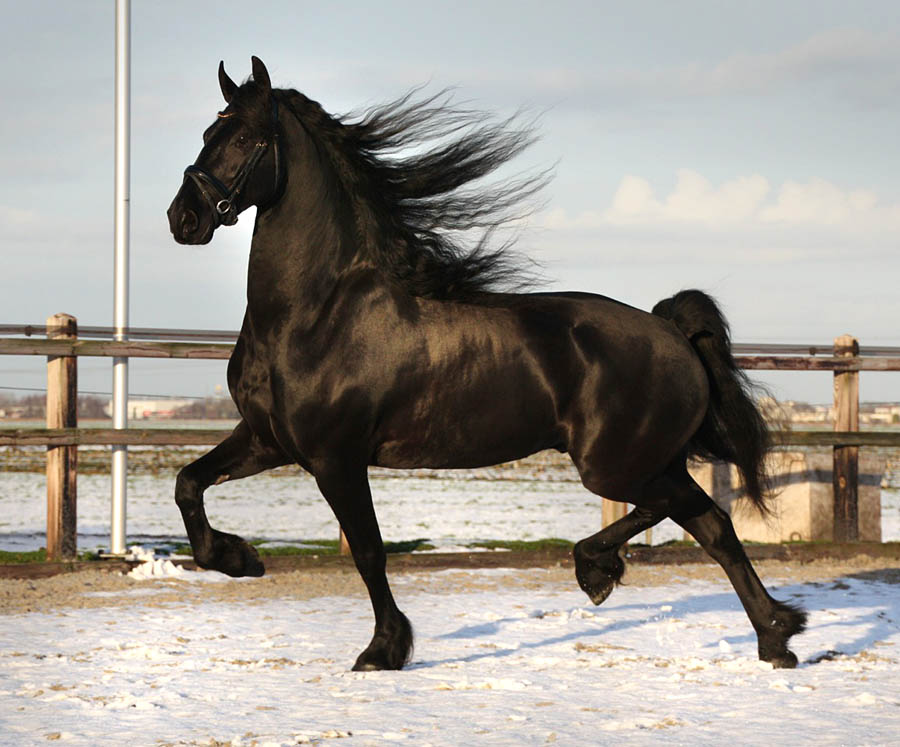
x,y
314,547
331,547
550,543
30,556
40,556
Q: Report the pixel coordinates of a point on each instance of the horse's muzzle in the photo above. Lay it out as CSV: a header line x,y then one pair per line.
x,y
187,225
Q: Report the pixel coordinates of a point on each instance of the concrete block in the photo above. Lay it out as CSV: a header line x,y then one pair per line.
x,y
803,509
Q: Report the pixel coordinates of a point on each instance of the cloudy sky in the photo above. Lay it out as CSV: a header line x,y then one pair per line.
x,y
746,149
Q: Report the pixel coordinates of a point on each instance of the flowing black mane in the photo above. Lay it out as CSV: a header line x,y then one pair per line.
x,y
418,216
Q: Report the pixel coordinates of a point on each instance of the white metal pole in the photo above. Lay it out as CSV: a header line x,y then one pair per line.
x,y
120,302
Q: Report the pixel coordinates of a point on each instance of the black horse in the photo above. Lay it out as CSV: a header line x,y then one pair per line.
x,y
374,334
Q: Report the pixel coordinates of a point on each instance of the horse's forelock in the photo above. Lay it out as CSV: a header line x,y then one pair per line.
x,y
252,105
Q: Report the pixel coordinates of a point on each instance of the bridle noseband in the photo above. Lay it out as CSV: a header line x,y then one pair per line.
x,y
222,199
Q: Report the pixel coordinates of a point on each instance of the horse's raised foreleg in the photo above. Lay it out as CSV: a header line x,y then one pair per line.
x,y
774,622
239,455
347,492
598,566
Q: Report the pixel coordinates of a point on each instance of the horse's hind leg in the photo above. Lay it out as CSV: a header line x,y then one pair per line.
x,y
598,566
347,491
775,622
239,455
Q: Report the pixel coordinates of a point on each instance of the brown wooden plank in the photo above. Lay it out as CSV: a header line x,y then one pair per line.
x,y
109,436
845,474
845,481
204,437
62,461
343,543
807,363
611,511
836,438
112,348
222,351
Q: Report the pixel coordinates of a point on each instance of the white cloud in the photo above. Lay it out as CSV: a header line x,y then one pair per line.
x,y
743,202
836,51
15,217
694,200
819,202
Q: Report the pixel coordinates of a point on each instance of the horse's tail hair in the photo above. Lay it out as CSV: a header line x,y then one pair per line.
x,y
733,429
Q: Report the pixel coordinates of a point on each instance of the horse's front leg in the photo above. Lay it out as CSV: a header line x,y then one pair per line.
x,y
598,566
240,455
347,492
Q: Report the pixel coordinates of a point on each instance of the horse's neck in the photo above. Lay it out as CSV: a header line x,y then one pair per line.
x,y
302,247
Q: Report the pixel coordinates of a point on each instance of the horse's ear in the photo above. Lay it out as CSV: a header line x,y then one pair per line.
x,y
228,86
261,75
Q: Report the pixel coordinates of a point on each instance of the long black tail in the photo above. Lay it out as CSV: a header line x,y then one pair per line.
x,y
733,429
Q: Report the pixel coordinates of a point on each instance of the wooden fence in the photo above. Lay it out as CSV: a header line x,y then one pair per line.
x,y
62,342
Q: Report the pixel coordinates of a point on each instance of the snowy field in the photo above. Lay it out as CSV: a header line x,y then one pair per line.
x,y
448,511
671,664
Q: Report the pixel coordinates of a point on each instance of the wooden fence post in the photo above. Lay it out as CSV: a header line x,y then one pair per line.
x,y
62,461
611,511
845,474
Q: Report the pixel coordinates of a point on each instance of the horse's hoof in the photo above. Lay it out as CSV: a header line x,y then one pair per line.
x,y
598,576
248,564
787,620
233,556
597,584
369,661
384,655
368,666
253,566
783,660
390,649
599,595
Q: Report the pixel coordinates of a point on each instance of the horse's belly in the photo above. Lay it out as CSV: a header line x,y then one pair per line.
x,y
406,455
473,432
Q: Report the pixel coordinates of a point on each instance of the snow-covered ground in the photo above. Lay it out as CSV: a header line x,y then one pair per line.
x,y
448,511
673,664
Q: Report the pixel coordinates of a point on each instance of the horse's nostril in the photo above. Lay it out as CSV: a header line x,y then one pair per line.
x,y
188,223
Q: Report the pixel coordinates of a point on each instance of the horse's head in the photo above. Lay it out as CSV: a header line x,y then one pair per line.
x,y
239,164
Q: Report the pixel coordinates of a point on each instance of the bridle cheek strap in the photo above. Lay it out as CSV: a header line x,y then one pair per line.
x,y
222,199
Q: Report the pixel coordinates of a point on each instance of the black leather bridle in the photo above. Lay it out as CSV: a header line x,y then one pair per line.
x,y
222,199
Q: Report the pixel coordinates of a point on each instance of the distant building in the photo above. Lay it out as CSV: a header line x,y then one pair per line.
x,y
870,413
879,414
151,409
